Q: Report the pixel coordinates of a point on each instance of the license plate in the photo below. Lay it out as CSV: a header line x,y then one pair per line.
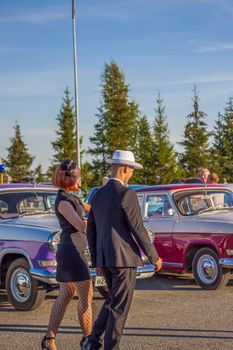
x,y
100,281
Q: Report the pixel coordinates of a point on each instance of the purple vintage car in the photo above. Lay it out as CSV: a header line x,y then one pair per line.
x,y
29,234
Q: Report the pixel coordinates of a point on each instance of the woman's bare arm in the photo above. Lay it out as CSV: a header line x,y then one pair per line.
x,y
69,213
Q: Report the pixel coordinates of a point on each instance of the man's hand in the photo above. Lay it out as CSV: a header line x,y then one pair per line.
x,y
158,264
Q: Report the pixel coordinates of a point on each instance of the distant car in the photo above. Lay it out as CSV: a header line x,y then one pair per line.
x,y
29,234
90,195
193,227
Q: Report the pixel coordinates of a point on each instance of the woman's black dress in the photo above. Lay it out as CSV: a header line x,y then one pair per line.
x,y
71,262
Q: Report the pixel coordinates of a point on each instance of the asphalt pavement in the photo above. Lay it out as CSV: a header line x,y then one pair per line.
x,y
168,312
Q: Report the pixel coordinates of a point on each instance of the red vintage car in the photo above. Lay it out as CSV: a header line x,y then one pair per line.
x,y
193,227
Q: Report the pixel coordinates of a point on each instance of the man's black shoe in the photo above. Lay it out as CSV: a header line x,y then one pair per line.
x,y
91,345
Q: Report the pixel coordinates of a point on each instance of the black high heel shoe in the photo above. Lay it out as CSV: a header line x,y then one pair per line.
x,y
82,341
43,342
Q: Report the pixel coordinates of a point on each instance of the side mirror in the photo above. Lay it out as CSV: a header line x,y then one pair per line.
x,y
170,212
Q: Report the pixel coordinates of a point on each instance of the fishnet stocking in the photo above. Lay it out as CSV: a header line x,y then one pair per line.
x,y
67,291
85,295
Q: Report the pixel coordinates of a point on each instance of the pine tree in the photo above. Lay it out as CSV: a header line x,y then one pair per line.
x,y
165,165
88,177
39,176
118,118
65,144
120,125
144,154
195,142
99,153
222,150
19,161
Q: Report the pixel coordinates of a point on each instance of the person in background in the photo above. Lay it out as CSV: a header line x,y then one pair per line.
x,y
115,232
6,178
103,181
204,174
213,178
72,268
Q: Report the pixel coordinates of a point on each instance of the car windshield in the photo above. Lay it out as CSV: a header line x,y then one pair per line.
x,y
198,202
19,203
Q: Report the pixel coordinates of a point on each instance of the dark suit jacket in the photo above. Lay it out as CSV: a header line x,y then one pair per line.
x,y
115,229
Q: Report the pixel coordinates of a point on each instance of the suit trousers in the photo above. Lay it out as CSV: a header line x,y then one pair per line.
x,y
113,314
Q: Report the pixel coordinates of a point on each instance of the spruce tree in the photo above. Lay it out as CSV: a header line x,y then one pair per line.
x,y
65,144
222,150
164,163
144,154
19,161
195,142
38,174
121,120
99,152
88,176
118,118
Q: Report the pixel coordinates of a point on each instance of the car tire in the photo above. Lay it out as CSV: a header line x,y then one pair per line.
x,y
103,291
207,272
23,291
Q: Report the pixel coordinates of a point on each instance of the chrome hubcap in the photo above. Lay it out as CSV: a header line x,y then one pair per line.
x,y
207,269
21,285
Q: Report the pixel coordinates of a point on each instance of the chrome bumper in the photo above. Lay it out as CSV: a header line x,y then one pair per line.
x,y
145,271
49,277
44,276
226,262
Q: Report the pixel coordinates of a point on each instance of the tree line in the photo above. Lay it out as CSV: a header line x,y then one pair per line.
x,y
121,125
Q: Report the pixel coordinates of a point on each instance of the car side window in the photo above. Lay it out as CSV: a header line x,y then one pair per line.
x,y
50,202
31,204
157,205
3,207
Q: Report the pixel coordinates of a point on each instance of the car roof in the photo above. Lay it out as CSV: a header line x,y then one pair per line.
x,y
173,187
26,186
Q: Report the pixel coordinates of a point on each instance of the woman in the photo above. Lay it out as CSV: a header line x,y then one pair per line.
x,y
72,269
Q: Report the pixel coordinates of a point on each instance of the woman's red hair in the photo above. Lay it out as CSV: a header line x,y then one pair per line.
x,y
66,180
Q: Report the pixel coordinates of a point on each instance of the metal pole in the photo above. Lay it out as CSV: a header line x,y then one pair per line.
x,y
76,85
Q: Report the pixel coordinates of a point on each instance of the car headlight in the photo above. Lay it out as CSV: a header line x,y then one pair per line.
x,y
53,241
151,235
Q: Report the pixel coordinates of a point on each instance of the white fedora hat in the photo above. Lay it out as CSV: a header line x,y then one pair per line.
x,y
124,158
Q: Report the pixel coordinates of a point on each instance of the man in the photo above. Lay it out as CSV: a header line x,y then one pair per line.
x,y
204,174
115,232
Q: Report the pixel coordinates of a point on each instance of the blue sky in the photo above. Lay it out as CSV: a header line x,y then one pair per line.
x,y
161,45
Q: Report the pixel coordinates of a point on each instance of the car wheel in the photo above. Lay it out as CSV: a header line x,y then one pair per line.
x,y
206,270
23,291
103,291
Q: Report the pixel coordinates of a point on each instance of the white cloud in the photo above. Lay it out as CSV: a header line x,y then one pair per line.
x,y
224,5
215,78
33,83
6,50
39,17
214,47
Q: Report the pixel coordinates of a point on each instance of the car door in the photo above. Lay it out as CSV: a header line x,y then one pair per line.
x,y
159,217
